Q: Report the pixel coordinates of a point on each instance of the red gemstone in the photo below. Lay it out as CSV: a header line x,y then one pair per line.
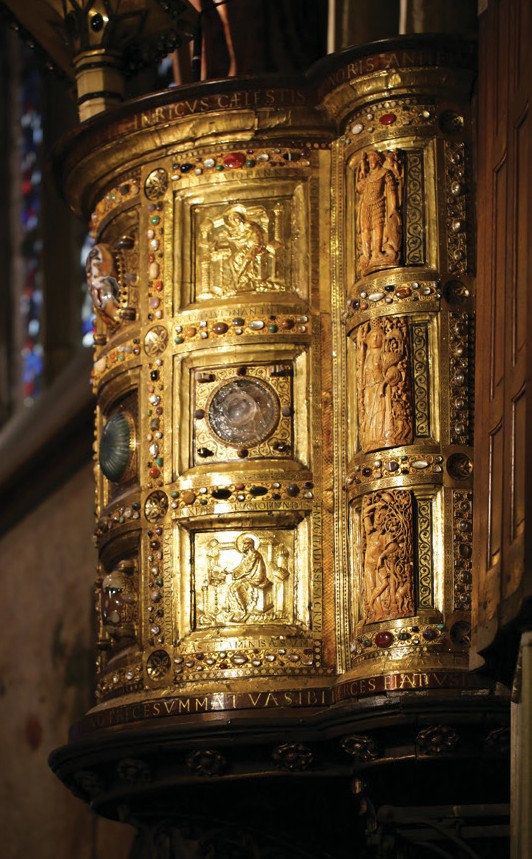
x,y
387,119
154,472
235,159
384,639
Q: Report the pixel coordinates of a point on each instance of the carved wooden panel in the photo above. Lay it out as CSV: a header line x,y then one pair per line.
x,y
503,321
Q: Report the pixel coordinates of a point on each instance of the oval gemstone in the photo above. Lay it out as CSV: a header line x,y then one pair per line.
x,y
384,639
376,296
387,119
256,324
188,496
235,159
220,327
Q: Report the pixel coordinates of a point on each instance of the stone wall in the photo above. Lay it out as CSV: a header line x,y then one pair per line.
x,y
46,660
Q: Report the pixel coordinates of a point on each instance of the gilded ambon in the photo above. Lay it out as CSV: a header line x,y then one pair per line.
x,y
282,282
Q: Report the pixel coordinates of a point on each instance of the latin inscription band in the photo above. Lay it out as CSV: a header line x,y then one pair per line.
x,y
187,705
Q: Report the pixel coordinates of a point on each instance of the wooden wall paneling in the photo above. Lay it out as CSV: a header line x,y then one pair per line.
x,y
502,457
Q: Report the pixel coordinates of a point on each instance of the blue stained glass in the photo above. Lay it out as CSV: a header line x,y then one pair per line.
x,y
31,293
87,310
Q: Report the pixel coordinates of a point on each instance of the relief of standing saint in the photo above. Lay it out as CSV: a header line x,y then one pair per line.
x,y
379,184
384,389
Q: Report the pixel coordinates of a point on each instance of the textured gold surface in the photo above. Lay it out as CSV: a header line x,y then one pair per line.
x,y
294,347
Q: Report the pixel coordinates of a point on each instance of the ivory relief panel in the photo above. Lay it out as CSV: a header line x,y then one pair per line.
x,y
244,578
384,389
379,210
387,551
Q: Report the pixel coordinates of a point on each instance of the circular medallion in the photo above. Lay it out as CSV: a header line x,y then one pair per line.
x,y
156,184
456,292
116,446
451,122
459,466
158,664
156,506
243,412
155,341
461,633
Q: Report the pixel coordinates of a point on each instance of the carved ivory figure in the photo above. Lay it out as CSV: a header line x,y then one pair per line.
x,y
384,389
388,564
379,182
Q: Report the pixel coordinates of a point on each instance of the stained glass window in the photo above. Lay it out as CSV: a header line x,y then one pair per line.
x,y
30,248
87,310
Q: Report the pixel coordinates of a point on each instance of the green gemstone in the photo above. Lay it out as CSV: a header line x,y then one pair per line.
x,y
159,461
272,328
179,340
